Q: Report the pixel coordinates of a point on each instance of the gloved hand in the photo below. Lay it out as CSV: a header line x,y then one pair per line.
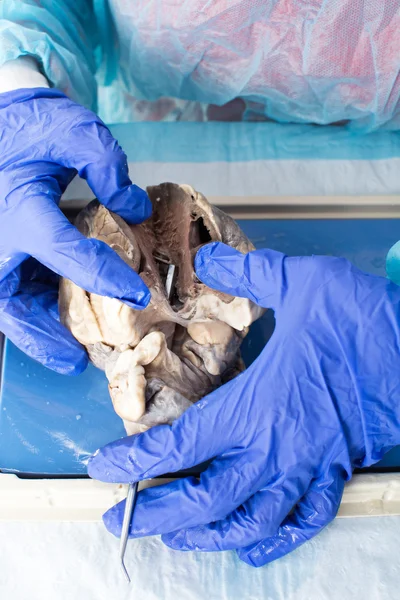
x,y
46,139
321,399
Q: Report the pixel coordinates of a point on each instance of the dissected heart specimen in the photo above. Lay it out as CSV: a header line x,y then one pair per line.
x,y
186,343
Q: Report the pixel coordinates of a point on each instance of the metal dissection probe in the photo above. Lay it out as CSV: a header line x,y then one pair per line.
x,y
133,487
129,508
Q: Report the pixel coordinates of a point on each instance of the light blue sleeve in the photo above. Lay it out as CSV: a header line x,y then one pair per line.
x,y
61,35
393,263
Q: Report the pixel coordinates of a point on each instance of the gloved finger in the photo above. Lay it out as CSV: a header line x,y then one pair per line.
x,y
28,319
259,517
96,155
258,276
189,502
89,263
318,508
205,430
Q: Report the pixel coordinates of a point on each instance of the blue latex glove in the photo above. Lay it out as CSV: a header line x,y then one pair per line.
x,y
46,139
321,399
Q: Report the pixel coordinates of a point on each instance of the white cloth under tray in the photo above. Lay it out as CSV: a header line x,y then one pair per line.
x,y
353,559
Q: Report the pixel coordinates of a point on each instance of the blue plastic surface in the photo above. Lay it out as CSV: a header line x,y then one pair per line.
x,y
50,424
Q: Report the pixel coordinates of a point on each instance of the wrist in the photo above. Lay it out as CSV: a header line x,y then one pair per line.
x,y
23,72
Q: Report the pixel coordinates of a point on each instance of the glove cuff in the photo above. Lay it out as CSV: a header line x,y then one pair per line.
x,y
23,94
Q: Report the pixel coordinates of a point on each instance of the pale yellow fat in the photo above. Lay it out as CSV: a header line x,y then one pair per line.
x,y
210,332
80,318
127,382
239,313
116,321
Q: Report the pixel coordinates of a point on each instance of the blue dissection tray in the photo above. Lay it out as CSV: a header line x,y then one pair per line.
x,y
50,424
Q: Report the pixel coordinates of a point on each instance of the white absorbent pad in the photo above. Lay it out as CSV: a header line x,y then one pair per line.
x,y
352,559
